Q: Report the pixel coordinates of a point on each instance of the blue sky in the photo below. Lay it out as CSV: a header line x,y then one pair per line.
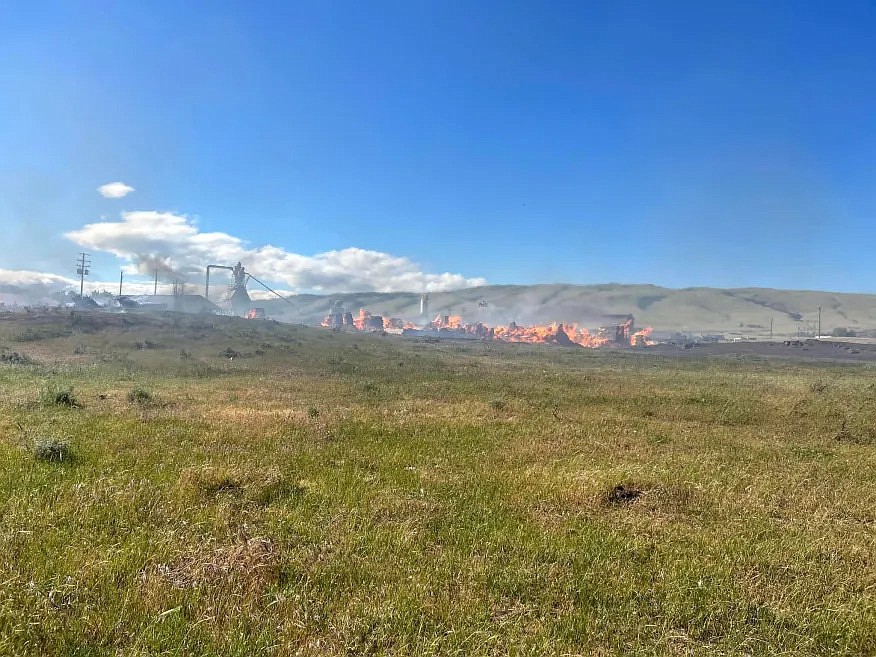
x,y
681,144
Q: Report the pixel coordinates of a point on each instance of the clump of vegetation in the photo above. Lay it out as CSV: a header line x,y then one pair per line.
x,y
54,395
498,404
140,396
52,450
184,355
15,358
818,386
313,411
32,334
229,353
147,344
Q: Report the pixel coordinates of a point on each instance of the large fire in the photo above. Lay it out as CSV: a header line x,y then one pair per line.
x,y
453,326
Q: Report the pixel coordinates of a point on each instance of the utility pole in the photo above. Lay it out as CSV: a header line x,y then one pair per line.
x,y
819,321
155,289
82,266
121,278
771,328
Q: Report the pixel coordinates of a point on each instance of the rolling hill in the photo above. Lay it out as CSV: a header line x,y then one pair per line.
x,y
746,311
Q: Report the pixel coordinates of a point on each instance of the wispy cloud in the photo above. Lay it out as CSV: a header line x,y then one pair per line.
x,y
115,190
173,243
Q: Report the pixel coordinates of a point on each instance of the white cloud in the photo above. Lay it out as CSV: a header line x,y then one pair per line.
x,y
173,244
115,190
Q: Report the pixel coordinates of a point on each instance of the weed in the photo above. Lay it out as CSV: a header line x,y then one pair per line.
x,y
15,358
54,395
140,396
52,450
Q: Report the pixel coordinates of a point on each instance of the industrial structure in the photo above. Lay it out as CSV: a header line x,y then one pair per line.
x,y
237,297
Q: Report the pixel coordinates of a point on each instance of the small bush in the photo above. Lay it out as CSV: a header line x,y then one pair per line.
x,y
53,451
57,396
313,411
43,333
498,404
147,344
140,396
15,358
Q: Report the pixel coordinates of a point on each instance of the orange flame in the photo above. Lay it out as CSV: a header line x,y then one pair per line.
x,y
559,334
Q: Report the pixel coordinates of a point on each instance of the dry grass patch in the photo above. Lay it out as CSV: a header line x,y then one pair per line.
x,y
251,565
258,485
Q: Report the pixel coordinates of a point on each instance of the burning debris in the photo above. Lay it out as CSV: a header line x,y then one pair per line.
x,y
453,326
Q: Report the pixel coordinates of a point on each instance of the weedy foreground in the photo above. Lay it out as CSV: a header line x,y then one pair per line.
x,y
185,486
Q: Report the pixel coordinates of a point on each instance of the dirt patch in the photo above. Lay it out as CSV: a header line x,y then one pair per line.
x,y
622,494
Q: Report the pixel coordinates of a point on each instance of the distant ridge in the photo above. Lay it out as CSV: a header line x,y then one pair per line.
x,y
746,311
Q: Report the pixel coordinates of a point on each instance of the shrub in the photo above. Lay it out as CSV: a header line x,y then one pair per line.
x,y
498,404
52,450
313,411
140,396
15,358
53,395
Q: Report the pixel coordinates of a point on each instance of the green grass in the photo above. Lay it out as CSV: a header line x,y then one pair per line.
x,y
344,494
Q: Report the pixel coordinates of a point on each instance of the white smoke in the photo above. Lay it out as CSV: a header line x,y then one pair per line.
x,y
174,244
31,287
24,287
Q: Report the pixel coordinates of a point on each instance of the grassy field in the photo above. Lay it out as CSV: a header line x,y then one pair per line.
x,y
180,486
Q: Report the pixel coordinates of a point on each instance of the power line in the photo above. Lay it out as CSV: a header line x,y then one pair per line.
x,y
82,266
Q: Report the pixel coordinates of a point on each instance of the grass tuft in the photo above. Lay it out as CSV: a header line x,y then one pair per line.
x,y
16,358
140,396
52,450
54,395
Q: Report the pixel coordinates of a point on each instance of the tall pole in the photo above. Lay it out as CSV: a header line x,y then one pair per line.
x,y
82,266
771,328
155,289
819,321
121,278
